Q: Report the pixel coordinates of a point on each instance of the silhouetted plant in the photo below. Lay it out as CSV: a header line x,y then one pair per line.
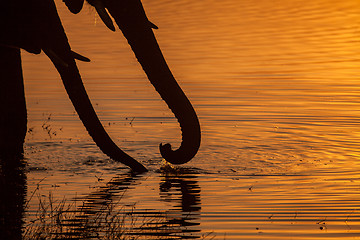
x,y
65,220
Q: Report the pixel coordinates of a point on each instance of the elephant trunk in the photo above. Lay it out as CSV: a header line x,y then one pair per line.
x,y
131,19
57,48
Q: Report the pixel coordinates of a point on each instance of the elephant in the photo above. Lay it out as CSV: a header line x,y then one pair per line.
x,y
130,17
35,26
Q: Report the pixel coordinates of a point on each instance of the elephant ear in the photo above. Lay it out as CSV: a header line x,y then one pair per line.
x,y
74,6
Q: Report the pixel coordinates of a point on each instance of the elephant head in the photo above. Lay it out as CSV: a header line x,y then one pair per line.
x,y
34,25
130,17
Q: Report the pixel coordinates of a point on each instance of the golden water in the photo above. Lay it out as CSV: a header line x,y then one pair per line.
x,y
276,88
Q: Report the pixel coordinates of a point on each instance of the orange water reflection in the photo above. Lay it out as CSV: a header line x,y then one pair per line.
x,y
275,85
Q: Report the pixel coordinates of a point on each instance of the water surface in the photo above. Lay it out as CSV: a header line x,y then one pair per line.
x,y
276,88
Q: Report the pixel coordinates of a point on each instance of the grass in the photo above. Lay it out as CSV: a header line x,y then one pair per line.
x,y
61,219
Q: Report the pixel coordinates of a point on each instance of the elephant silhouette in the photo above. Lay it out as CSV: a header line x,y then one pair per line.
x,y
35,26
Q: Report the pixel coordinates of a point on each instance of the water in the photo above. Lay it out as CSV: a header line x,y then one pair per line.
x,y
275,86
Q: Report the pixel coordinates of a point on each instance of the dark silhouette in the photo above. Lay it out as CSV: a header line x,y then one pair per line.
x,y
134,24
35,26
180,186
12,104
98,206
12,198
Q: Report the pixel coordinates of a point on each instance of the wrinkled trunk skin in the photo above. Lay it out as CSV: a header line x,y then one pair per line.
x,y
13,118
131,19
55,45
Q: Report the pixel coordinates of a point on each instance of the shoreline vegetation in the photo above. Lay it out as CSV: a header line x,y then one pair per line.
x,y
73,220
100,218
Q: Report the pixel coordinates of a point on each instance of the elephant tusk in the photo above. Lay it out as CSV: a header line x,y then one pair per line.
x,y
11,46
99,6
56,58
30,48
153,26
33,50
80,57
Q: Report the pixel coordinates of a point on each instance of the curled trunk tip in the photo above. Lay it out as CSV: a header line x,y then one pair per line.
x,y
188,149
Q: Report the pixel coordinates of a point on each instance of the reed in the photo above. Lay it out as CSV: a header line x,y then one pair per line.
x,y
65,220
61,219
